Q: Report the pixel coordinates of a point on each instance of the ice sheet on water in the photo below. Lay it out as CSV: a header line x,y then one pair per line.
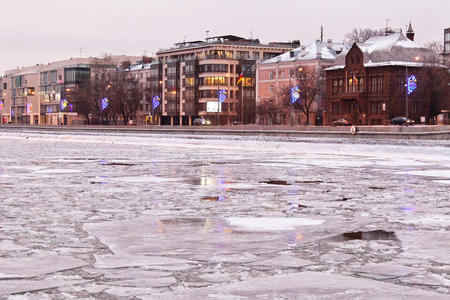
x,y
430,173
28,267
383,271
7,245
265,223
425,246
123,261
288,261
304,285
8,287
145,178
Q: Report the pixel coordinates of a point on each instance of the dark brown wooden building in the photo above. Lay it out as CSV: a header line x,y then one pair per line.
x,y
369,83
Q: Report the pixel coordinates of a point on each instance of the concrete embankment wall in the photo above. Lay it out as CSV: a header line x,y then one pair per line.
x,y
368,132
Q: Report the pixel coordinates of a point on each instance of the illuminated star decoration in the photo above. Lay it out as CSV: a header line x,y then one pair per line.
x,y
412,84
1,106
222,95
295,94
64,104
156,100
29,108
105,103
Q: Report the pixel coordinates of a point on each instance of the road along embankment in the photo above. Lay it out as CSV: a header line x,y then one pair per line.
x,y
362,132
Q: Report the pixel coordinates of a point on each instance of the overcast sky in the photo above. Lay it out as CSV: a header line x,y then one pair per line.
x,y
40,31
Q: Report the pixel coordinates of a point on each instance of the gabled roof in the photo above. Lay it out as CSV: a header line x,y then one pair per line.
x,y
316,50
395,48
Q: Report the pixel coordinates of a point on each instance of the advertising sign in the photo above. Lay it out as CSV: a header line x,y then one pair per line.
x,y
213,106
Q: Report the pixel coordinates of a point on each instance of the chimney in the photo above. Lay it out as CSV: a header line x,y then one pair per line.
x,y
291,54
410,32
329,43
303,47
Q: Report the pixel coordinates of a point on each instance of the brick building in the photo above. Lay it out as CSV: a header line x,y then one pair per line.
x,y
379,79
447,45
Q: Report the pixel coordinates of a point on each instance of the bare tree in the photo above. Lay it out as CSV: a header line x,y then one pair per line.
x,y
268,111
362,35
437,84
437,48
125,96
309,85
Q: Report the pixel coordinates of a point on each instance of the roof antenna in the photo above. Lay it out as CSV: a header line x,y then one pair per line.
x,y
207,34
251,35
81,52
321,33
387,27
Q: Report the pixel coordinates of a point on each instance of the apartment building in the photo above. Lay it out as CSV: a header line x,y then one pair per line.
x,y
189,77
43,94
147,112
447,45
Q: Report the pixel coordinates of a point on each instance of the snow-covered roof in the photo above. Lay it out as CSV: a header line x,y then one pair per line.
x,y
393,49
139,67
371,64
316,50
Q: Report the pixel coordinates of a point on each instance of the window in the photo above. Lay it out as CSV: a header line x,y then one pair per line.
x,y
171,71
76,74
154,72
216,68
376,107
400,83
243,55
355,84
189,69
447,47
189,94
361,84
256,55
335,107
282,74
218,80
189,82
271,89
171,83
338,86
271,74
53,76
377,84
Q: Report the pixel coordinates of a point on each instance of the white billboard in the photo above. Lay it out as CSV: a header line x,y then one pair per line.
x,y
213,106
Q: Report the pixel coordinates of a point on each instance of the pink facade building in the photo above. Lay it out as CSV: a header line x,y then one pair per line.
x,y
279,73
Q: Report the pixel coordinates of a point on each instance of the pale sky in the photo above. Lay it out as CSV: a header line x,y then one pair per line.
x,y
41,31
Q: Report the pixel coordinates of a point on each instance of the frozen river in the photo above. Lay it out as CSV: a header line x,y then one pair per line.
x,y
182,217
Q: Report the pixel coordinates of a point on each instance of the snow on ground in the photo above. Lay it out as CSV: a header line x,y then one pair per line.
x,y
162,216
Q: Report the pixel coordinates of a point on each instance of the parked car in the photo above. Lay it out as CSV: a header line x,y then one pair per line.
x,y
341,122
402,121
201,122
